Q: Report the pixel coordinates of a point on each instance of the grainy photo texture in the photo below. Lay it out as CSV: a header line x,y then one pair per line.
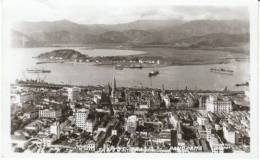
x,y
142,79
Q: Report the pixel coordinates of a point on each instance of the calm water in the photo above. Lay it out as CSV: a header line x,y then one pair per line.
x,y
175,77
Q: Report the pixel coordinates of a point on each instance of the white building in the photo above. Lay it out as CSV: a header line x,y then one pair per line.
x,y
218,105
49,113
81,116
88,146
89,126
166,100
202,120
19,99
131,123
73,94
55,129
97,98
174,119
216,145
114,132
229,133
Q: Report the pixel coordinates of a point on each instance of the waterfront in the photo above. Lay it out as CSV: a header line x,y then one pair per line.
x,y
175,77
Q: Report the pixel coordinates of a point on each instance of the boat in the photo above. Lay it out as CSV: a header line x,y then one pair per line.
x,y
38,71
153,73
119,67
242,84
136,66
221,70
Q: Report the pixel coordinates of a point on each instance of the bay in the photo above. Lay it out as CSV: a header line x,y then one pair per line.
x,y
172,77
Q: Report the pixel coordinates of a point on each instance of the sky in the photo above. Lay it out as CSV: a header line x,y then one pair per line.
x,y
87,12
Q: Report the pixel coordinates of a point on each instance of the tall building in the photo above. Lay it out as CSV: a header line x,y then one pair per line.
x,y
55,129
113,93
131,124
174,138
218,104
114,85
81,116
89,126
73,94
107,89
202,102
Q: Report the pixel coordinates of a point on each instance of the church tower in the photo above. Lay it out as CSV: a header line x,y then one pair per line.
x,y
113,93
114,85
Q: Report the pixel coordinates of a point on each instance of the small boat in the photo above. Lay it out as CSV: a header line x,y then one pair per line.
x,y
242,84
221,70
153,73
119,67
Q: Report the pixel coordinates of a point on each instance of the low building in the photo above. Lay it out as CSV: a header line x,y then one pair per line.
x,y
50,113
218,104
216,145
73,94
89,126
229,133
19,99
202,120
88,146
55,129
31,114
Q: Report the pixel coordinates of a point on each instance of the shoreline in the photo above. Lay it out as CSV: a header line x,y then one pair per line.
x,y
57,85
126,65
169,56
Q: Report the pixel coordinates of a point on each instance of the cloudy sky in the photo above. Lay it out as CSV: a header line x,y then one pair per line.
x,y
83,11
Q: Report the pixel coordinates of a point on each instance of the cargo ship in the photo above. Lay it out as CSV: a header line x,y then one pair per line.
x,y
38,71
136,66
221,70
153,73
242,84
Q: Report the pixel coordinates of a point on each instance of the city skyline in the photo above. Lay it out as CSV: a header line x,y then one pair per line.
x,y
130,77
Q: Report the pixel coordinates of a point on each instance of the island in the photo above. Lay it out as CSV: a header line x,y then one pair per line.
x,y
62,55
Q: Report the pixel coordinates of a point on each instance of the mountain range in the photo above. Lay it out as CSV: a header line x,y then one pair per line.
x,y
142,32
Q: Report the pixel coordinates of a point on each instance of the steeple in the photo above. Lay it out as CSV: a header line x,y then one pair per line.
x,y
114,84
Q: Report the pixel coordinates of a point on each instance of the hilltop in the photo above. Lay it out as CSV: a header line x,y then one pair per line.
x,y
141,32
63,54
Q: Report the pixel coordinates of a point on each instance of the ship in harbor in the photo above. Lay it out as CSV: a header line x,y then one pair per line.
x,y
38,71
242,84
222,71
119,67
153,73
136,66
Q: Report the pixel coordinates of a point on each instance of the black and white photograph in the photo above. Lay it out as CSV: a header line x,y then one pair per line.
x,y
91,78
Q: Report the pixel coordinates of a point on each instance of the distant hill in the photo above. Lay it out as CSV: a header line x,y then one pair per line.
x,y
137,32
213,40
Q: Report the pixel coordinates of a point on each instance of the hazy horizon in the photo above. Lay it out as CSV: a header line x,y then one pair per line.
x,y
87,13
60,20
